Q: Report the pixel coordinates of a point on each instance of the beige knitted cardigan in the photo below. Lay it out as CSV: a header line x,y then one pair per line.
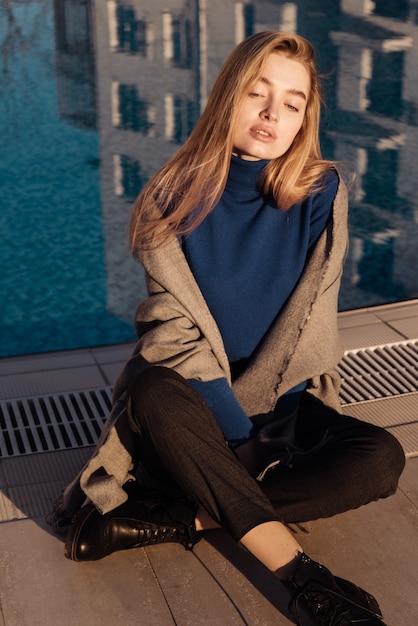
x,y
175,329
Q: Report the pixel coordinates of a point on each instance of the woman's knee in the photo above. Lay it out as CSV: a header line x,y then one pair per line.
x,y
155,386
379,462
159,397
368,460
369,469
152,380
390,458
147,393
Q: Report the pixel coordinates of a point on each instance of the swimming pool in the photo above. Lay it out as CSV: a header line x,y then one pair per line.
x,y
95,96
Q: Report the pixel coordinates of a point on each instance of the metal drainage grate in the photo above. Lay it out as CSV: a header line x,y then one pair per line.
x,y
53,422
379,372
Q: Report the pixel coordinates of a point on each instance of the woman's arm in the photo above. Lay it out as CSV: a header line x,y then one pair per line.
x,y
169,337
231,417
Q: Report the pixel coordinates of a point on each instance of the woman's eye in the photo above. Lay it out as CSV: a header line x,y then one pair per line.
x,y
292,108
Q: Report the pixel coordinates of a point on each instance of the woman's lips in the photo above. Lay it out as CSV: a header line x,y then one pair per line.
x,y
264,133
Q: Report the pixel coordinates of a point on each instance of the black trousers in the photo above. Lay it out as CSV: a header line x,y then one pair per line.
x,y
182,447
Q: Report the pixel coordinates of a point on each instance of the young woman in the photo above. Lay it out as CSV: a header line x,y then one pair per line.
x,y
229,404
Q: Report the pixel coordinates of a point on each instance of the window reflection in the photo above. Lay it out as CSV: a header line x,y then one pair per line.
x,y
245,20
75,63
180,117
127,33
179,39
392,8
131,32
385,87
129,111
127,176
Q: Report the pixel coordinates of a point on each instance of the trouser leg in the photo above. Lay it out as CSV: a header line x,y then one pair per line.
x,y
361,463
181,444
179,440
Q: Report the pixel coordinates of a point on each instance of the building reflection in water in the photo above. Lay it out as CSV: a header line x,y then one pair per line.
x,y
156,65
140,72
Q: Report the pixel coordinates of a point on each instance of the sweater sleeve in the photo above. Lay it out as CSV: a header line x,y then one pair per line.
x,y
233,421
236,426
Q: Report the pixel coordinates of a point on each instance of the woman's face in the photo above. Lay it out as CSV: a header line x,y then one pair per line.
x,y
272,112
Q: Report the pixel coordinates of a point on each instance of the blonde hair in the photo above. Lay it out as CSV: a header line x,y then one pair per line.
x,y
183,191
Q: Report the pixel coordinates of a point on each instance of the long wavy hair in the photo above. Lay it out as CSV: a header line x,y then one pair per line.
x,y
188,186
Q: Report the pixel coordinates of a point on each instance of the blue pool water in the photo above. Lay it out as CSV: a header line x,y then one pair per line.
x,y
95,96
53,280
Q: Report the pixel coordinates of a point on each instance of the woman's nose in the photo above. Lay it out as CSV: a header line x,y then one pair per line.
x,y
268,115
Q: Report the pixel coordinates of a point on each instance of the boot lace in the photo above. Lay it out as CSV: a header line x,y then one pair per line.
x,y
167,530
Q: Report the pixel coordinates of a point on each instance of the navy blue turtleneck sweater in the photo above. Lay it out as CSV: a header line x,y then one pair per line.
x,y
247,257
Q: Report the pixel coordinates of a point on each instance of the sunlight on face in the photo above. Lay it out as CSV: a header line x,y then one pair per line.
x,y
273,111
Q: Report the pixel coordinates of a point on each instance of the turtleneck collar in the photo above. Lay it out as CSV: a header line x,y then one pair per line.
x,y
244,174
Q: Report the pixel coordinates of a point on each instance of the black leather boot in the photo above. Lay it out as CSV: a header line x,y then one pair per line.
x,y
329,600
134,524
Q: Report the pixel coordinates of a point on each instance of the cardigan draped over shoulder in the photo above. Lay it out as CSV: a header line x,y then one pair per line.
x,y
176,329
